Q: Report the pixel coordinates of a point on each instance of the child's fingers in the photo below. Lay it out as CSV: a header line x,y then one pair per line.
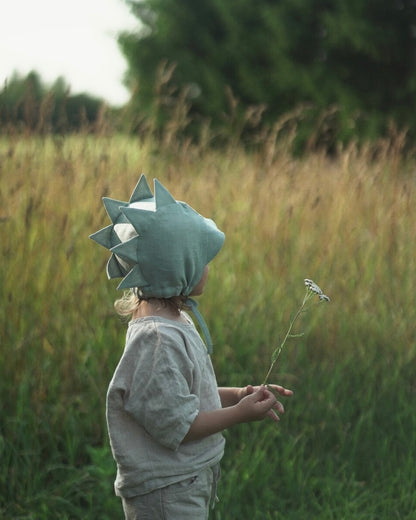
x,y
279,407
262,396
281,390
273,415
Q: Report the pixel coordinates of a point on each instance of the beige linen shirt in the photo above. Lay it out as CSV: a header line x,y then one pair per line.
x,y
163,380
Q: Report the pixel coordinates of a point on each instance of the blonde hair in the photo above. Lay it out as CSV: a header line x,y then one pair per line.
x,y
129,303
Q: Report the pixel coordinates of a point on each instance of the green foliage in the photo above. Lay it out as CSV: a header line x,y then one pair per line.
x,y
356,57
346,445
27,104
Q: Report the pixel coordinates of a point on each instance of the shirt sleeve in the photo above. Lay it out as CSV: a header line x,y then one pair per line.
x,y
160,397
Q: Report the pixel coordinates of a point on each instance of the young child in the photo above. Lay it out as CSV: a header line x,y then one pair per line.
x,y
165,413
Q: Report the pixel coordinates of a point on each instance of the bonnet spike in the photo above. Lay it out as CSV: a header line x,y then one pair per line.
x,y
141,191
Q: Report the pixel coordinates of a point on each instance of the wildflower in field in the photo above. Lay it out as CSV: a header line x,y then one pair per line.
x,y
312,289
312,286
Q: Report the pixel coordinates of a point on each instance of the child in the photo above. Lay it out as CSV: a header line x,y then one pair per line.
x,y
165,413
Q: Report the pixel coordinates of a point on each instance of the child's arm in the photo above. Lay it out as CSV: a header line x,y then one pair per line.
x,y
255,406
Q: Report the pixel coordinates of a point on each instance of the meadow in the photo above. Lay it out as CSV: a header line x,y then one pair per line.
x,y
346,447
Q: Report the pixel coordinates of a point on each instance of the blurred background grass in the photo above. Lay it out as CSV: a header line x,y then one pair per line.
x,y
345,448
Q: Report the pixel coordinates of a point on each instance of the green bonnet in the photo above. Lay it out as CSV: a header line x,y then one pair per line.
x,y
159,246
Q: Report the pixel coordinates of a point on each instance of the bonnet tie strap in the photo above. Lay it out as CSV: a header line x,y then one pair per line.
x,y
193,306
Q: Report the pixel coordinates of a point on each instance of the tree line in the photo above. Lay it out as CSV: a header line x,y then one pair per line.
x,y
336,70
27,104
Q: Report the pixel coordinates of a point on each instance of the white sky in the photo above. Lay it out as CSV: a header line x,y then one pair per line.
x,y
76,39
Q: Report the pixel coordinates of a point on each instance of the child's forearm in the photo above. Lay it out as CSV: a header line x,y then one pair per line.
x,y
214,421
253,406
229,396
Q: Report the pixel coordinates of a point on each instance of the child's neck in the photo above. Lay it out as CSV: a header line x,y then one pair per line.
x,y
155,308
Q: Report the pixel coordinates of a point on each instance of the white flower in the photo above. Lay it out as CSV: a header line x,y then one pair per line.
x,y
312,286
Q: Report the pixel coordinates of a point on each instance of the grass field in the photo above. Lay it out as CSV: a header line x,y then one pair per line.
x,y
346,447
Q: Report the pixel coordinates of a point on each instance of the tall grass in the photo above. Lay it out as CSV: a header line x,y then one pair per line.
x,y
346,446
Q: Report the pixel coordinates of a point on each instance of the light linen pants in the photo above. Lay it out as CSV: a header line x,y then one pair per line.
x,y
186,500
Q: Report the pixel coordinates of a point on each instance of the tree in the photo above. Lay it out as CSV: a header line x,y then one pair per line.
x,y
27,103
358,56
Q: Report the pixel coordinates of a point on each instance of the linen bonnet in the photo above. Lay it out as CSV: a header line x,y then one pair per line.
x,y
160,246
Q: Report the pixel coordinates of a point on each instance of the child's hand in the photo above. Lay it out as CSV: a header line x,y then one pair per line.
x,y
260,403
249,389
250,403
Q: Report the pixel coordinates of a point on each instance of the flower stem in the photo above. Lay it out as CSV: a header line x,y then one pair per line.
x,y
277,352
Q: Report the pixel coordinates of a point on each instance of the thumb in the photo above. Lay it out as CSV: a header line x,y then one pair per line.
x,y
264,389
249,389
261,393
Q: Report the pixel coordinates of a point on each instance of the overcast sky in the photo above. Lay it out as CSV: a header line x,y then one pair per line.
x,y
75,39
